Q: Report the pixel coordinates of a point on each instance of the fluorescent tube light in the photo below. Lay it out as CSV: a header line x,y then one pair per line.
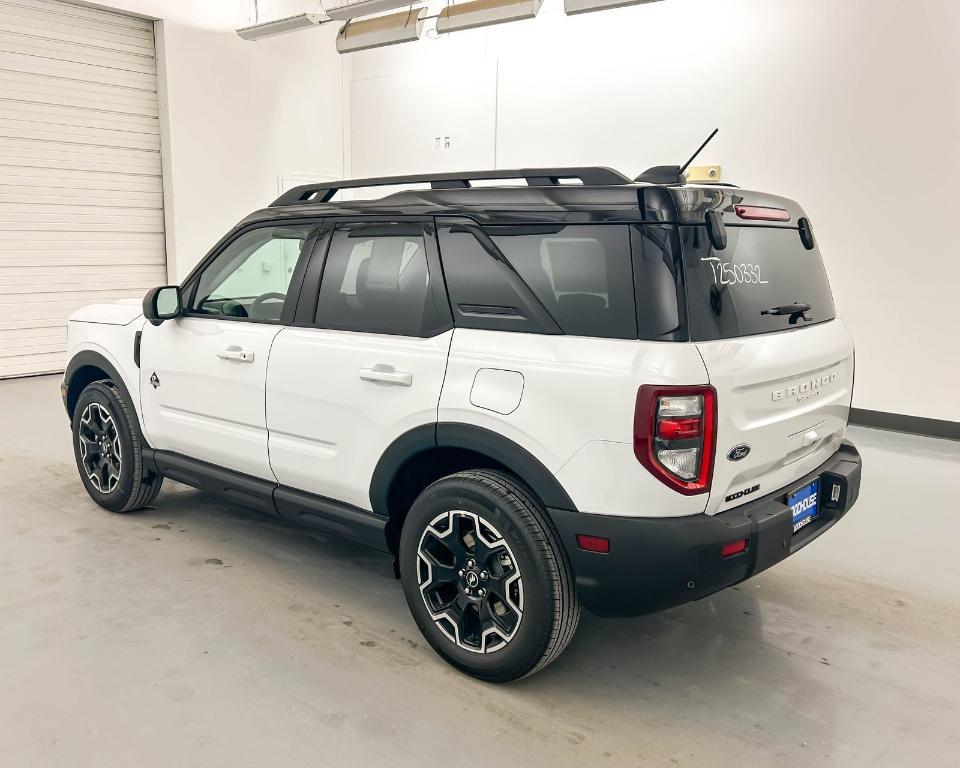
x,y
363,8
571,7
281,26
483,13
403,27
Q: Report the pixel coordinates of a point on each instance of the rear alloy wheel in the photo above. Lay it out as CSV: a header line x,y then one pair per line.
x,y
470,581
485,576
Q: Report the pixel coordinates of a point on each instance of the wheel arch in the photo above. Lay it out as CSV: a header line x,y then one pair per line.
x,y
431,451
84,368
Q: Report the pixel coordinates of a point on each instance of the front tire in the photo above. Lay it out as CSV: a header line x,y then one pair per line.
x,y
485,576
107,448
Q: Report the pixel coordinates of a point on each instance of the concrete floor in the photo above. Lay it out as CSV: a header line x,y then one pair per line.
x,y
199,634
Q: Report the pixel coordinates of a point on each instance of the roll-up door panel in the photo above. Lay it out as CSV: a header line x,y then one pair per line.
x,y
81,196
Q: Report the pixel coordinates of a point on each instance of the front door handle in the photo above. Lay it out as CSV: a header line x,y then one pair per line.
x,y
234,352
386,374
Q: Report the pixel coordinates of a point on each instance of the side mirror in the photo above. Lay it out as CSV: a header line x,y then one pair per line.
x,y
162,304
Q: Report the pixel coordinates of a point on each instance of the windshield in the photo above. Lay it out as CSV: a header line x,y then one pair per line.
x,y
763,281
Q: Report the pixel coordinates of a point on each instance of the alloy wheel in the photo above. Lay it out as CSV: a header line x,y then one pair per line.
x,y
100,449
470,581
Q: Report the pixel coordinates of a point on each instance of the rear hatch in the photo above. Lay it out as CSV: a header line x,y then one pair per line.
x,y
783,373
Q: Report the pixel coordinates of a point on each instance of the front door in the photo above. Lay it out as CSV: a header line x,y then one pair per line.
x,y
370,367
203,374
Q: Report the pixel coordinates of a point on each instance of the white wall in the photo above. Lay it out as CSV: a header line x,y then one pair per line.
x,y
238,114
850,107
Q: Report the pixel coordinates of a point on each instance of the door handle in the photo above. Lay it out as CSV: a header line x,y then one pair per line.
x,y
234,352
386,375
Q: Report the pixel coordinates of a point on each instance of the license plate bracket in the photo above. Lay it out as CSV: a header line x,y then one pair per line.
x,y
804,504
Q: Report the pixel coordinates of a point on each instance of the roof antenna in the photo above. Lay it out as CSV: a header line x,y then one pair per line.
x,y
672,174
699,150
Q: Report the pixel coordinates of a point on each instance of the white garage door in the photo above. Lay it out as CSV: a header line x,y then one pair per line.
x,y
81,207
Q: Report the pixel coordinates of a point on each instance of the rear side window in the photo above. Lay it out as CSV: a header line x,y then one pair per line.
x,y
582,274
376,280
754,284
485,293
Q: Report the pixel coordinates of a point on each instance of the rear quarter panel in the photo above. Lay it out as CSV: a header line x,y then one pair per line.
x,y
576,409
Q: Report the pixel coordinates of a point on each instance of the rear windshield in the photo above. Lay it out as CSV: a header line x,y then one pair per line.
x,y
757,284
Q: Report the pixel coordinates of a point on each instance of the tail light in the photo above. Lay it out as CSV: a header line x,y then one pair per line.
x,y
675,435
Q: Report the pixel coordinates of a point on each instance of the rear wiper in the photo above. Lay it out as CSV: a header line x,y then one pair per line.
x,y
795,310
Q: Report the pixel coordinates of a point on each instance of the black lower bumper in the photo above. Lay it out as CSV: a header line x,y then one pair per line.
x,y
656,563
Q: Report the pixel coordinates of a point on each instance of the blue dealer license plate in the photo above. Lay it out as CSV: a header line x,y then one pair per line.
x,y
805,505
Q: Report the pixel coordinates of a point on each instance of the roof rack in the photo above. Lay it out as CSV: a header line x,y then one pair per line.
x,y
594,176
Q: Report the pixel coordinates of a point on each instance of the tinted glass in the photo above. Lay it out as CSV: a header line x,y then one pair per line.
x,y
376,280
731,292
250,277
657,267
582,274
484,292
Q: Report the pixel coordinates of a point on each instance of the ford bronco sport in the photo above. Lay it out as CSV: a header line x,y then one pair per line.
x,y
621,394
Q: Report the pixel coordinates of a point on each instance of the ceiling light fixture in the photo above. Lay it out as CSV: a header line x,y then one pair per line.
x,y
282,26
571,7
363,8
403,27
483,13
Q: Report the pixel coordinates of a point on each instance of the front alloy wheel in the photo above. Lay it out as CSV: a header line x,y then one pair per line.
x,y
108,448
470,581
101,452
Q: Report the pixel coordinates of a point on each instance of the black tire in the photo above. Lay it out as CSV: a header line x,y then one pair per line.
x,y
539,611
104,425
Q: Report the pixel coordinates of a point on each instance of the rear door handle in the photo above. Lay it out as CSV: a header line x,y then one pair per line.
x,y
234,352
387,375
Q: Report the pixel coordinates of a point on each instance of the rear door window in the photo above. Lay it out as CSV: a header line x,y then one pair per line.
x,y
748,287
377,280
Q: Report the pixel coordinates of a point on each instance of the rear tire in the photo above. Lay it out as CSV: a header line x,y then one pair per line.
x,y
486,577
107,447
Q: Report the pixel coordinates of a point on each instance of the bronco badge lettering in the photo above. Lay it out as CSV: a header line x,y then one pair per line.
x,y
806,390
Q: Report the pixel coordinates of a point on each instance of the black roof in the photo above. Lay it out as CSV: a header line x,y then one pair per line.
x,y
605,195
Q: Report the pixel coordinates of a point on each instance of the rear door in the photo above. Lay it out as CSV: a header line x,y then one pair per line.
x,y
366,366
783,373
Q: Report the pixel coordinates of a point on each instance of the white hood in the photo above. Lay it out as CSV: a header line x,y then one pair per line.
x,y
120,312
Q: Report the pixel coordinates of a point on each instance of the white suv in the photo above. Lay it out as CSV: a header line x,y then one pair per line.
x,y
625,394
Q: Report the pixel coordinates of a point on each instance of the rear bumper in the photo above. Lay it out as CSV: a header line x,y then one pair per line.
x,y
656,563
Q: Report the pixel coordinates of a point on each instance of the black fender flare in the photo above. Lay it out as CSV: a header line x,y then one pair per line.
x,y
87,358
491,444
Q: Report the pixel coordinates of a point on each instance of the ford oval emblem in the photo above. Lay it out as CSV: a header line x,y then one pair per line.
x,y
738,452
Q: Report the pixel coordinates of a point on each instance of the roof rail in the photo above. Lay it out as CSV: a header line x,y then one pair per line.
x,y
595,176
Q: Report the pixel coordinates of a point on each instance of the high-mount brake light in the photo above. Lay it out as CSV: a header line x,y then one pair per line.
x,y
674,435
761,213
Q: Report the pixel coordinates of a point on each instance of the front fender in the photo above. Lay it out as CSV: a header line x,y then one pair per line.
x,y
80,370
